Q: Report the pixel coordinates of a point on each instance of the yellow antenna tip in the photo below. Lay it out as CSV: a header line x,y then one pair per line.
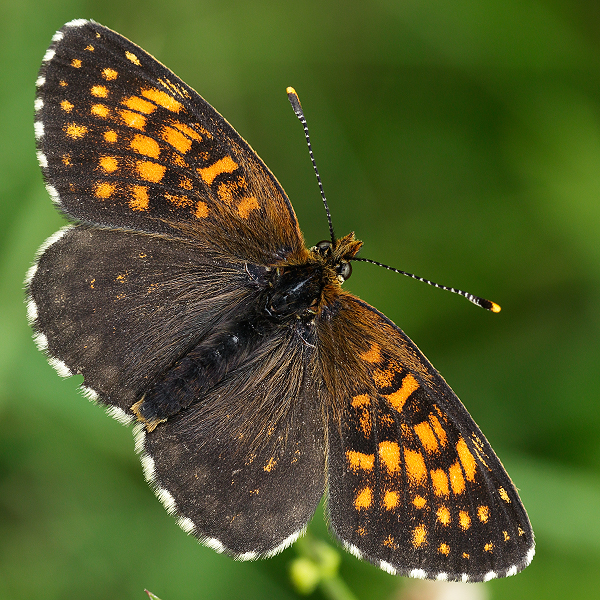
x,y
495,307
290,90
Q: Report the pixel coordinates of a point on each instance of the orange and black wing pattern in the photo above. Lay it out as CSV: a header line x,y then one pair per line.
x,y
184,295
413,485
123,142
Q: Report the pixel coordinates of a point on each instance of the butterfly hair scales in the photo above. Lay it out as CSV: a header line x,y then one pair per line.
x,y
182,291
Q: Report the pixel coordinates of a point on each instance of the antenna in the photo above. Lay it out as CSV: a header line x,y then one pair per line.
x,y
295,102
482,302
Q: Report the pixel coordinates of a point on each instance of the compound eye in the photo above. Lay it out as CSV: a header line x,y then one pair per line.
x,y
323,246
344,270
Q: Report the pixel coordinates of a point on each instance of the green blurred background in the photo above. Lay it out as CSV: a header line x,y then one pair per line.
x,y
461,140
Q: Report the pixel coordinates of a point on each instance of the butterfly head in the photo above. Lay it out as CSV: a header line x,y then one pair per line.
x,y
337,255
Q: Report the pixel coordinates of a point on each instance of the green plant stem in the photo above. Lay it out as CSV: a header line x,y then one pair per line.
x,y
335,588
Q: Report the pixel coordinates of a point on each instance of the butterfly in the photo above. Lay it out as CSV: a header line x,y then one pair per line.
x,y
184,294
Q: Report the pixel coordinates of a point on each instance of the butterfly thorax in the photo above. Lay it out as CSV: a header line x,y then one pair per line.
x,y
302,290
289,296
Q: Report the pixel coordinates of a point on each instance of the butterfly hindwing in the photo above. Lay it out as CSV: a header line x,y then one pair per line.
x,y
414,486
123,142
243,468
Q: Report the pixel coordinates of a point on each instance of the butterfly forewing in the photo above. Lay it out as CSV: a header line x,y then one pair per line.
x,y
413,484
123,142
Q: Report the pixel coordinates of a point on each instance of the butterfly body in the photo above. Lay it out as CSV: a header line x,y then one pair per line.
x,y
185,296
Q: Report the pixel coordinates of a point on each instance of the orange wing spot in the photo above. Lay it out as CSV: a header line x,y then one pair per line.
x,y
100,91
139,199
76,63
110,136
139,104
270,465
100,110
466,458
162,99
383,377
178,160
390,543
201,210
66,159
506,536
75,131
223,165
104,190
145,145
483,512
443,515
132,119
247,205
419,536
464,520
415,467
109,74
466,555
358,460
489,547
427,437
439,480
361,401
391,500
179,201
439,430
66,106
150,171
109,163
521,531
225,191
419,501
389,453
364,498
133,58
178,140
361,531
185,183
399,397
89,48
457,480
444,549
373,355
63,83
190,132
504,495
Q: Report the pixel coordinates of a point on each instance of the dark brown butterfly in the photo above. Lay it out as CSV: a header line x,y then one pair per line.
x,y
185,296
